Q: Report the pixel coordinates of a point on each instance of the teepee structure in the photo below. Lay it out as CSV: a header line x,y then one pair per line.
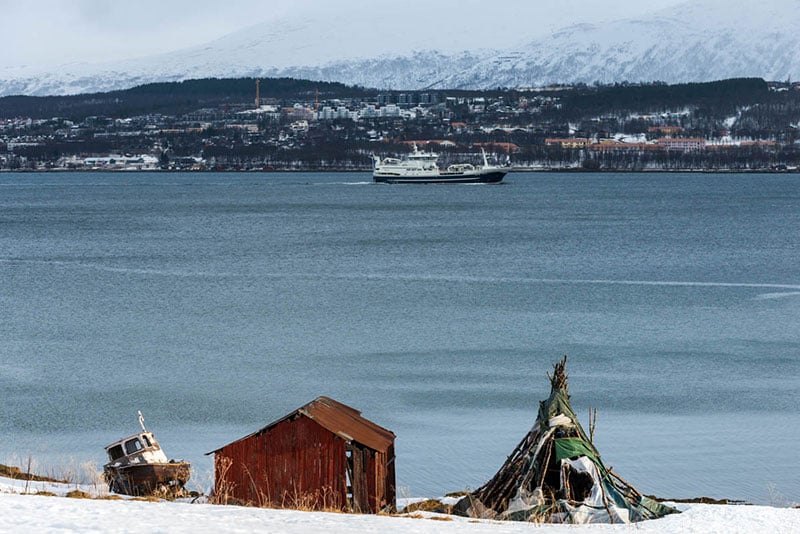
x,y
555,475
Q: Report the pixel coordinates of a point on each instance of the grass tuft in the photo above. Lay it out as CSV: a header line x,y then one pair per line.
x,y
78,494
431,505
147,498
16,473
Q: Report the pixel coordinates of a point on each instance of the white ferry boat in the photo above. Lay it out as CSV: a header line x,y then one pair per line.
x,y
421,168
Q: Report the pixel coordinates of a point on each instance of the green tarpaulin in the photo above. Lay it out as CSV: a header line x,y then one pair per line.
x,y
572,447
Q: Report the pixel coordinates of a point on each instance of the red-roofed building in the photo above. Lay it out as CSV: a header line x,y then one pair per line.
x,y
683,144
324,455
569,142
616,146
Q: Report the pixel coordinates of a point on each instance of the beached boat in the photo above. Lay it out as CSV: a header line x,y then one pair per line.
x,y
421,168
138,466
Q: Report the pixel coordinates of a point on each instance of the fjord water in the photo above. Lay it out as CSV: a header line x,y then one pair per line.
x,y
217,303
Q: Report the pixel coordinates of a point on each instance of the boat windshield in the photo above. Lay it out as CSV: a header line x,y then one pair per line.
x,y
133,445
115,452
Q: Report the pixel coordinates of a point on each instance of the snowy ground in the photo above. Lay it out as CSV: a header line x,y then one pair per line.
x,y
35,513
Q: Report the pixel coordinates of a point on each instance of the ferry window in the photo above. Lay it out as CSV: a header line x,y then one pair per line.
x,y
133,445
115,452
147,441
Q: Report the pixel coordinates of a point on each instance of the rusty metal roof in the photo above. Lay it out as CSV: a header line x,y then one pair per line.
x,y
339,419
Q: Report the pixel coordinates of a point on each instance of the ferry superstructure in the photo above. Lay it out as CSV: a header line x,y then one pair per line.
x,y
420,167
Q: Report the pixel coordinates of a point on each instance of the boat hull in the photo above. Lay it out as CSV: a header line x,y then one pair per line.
x,y
147,479
493,177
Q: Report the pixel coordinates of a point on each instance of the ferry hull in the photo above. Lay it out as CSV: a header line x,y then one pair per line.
x,y
494,177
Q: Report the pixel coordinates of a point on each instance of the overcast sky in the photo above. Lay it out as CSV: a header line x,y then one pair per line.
x,y
43,32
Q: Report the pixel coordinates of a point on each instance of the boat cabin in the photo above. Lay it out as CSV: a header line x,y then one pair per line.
x,y
139,448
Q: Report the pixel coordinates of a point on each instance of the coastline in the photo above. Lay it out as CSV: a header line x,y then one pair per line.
x,y
515,170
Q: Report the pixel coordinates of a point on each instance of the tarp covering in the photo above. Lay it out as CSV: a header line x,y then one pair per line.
x,y
556,475
572,447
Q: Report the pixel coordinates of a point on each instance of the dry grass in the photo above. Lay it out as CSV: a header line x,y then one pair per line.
x,y
147,498
778,499
16,473
78,494
109,497
430,505
418,515
322,500
46,494
325,500
222,486
91,475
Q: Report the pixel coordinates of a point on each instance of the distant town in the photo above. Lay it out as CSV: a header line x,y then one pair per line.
x,y
294,125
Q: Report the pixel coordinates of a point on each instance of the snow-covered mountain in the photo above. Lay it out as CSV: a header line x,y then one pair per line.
x,y
695,41
698,40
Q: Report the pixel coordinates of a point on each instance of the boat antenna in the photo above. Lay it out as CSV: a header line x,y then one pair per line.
x,y
141,420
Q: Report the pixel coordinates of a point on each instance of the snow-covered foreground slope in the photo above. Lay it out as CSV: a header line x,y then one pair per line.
x,y
34,513
31,513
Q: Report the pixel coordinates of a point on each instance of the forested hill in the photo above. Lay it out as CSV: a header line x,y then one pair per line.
x,y
718,97
712,99
169,98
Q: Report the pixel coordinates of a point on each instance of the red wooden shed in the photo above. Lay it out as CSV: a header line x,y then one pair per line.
x,y
324,455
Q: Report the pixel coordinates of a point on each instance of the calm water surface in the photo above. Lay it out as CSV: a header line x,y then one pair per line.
x,y
216,303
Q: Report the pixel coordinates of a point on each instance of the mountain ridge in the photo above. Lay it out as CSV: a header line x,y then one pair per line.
x,y
690,42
